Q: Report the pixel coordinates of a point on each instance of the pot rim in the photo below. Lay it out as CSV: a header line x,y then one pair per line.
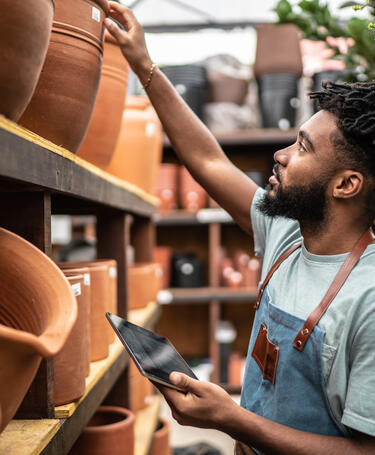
x,y
49,342
129,419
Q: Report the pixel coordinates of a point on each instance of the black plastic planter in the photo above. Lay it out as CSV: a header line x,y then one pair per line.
x,y
321,76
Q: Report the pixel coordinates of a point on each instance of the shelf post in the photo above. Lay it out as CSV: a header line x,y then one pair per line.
x,y
143,238
113,237
28,214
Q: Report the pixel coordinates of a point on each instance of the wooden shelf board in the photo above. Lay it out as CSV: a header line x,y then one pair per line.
x,y
30,159
256,136
182,217
145,424
29,437
206,295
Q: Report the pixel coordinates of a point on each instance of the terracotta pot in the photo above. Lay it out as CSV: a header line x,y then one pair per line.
x,y
278,50
61,107
192,196
166,187
85,302
143,284
100,296
110,431
140,389
160,443
138,151
102,134
70,364
37,313
25,29
162,255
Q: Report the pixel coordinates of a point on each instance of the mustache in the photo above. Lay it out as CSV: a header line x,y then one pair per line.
x,y
276,170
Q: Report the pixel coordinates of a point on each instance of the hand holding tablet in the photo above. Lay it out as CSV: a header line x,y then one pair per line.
x,y
154,355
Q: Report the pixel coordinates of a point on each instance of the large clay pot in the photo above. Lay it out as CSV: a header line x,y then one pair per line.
x,y
160,443
138,151
102,134
25,29
85,303
110,431
61,107
100,296
70,364
143,283
162,255
37,313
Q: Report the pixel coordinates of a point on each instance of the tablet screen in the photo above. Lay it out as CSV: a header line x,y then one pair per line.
x,y
154,353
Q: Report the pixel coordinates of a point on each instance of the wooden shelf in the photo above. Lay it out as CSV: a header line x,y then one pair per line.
x,y
184,218
146,421
206,295
256,136
52,436
27,160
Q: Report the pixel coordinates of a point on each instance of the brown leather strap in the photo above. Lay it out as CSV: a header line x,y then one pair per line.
x,y
273,269
350,262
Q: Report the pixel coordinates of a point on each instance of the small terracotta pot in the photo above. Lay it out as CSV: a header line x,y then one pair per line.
x,y
140,389
110,431
143,284
61,107
166,187
70,364
162,255
25,29
160,443
37,313
85,303
192,196
100,296
138,151
102,134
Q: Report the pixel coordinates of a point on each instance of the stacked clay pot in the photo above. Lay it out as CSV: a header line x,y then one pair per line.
x,y
85,303
70,365
138,151
99,304
140,389
110,431
25,29
144,282
160,443
61,107
162,255
166,187
102,134
192,196
37,313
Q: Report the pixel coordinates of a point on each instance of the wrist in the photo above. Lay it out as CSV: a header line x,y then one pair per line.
x,y
142,69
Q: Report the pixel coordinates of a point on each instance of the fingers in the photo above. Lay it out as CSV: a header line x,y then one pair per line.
x,y
124,15
186,383
115,30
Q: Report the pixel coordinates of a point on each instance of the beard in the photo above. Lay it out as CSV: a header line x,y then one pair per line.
x,y
306,204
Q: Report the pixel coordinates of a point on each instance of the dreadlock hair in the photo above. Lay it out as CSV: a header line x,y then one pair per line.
x,y
353,105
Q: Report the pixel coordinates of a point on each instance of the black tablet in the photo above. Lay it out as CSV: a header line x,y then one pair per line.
x,y
154,355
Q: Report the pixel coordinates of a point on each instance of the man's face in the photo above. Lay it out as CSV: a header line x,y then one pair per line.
x,y
299,188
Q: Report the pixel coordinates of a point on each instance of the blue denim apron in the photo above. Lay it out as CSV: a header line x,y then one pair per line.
x,y
284,376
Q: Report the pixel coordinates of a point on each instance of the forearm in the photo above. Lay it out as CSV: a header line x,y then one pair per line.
x,y
272,438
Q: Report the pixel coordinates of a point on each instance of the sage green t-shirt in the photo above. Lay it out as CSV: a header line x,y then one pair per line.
x,y
298,287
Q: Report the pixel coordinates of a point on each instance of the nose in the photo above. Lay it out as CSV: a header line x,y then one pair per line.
x,y
282,156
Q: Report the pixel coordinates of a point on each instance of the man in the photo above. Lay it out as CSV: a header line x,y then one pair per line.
x,y
309,386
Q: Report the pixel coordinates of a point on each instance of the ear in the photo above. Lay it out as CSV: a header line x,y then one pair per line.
x,y
348,184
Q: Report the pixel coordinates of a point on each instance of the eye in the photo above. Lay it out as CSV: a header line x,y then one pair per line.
x,y
301,147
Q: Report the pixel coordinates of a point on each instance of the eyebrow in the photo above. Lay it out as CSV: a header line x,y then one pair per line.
x,y
306,137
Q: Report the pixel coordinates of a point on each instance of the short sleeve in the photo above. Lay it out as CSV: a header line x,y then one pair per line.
x,y
260,224
359,410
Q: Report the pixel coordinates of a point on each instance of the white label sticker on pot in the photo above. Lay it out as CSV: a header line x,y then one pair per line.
x,y
96,14
76,289
150,128
113,272
86,279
